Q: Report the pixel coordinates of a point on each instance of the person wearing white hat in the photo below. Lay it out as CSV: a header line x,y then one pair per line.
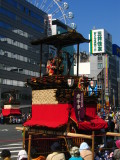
x,y
22,155
85,151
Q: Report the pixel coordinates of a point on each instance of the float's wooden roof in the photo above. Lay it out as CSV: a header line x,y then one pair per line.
x,y
62,40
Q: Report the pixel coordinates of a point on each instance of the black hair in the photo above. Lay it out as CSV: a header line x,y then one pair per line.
x,y
77,154
55,147
34,153
5,153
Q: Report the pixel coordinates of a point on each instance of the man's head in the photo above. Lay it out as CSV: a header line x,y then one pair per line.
x,y
116,154
55,147
34,153
5,153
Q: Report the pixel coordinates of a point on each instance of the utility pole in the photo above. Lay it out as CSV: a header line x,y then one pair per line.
x,y
114,100
102,92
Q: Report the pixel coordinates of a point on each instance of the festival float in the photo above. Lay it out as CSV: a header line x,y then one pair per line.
x,y
62,108
11,105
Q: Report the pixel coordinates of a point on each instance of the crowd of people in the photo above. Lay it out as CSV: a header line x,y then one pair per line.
x,y
15,119
108,151
83,152
109,148
112,118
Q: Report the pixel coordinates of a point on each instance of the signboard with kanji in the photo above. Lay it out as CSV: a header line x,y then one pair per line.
x,y
79,105
106,75
49,29
101,42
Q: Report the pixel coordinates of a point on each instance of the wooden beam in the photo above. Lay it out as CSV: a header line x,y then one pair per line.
x,y
77,59
112,134
40,59
79,135
29,146
93,143
21,128
23,137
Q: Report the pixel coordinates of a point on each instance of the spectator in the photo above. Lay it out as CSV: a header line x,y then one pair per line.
x,y
75,154
10,121
108,152
72,150
5,154
2,118
85,151
23,118
116,121
111,124
35,155
22,155
118,143
116,154
56,152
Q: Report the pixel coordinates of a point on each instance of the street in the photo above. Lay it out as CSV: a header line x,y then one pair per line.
x,y
11,139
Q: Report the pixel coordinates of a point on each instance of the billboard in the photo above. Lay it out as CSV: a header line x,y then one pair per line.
x,y
100,42
49,28
84,68
116,50
106,74
107,101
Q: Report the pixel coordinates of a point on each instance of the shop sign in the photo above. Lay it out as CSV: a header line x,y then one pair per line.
x,y
107,101
100,42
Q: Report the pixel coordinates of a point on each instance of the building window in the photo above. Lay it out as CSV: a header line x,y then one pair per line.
x,y
100,65
7,13
34,26
12,2
24,21
99,57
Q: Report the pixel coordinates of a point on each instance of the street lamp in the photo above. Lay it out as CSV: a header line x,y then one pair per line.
x,y
70,82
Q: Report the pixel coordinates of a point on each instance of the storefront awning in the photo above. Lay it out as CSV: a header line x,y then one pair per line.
x,y
7,112
49,115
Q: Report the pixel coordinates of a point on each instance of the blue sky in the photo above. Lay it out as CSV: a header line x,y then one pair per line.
x,y
99,14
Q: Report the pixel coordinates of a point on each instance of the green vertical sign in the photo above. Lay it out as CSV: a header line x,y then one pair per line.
x,y
91,49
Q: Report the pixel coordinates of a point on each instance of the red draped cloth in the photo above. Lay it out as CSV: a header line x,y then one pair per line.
x,y
91,120
49,115
8,112
57,115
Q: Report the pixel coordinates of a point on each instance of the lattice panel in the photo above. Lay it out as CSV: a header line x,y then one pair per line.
x,y
44,96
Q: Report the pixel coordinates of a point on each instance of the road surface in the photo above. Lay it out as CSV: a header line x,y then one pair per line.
x,y
11,139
